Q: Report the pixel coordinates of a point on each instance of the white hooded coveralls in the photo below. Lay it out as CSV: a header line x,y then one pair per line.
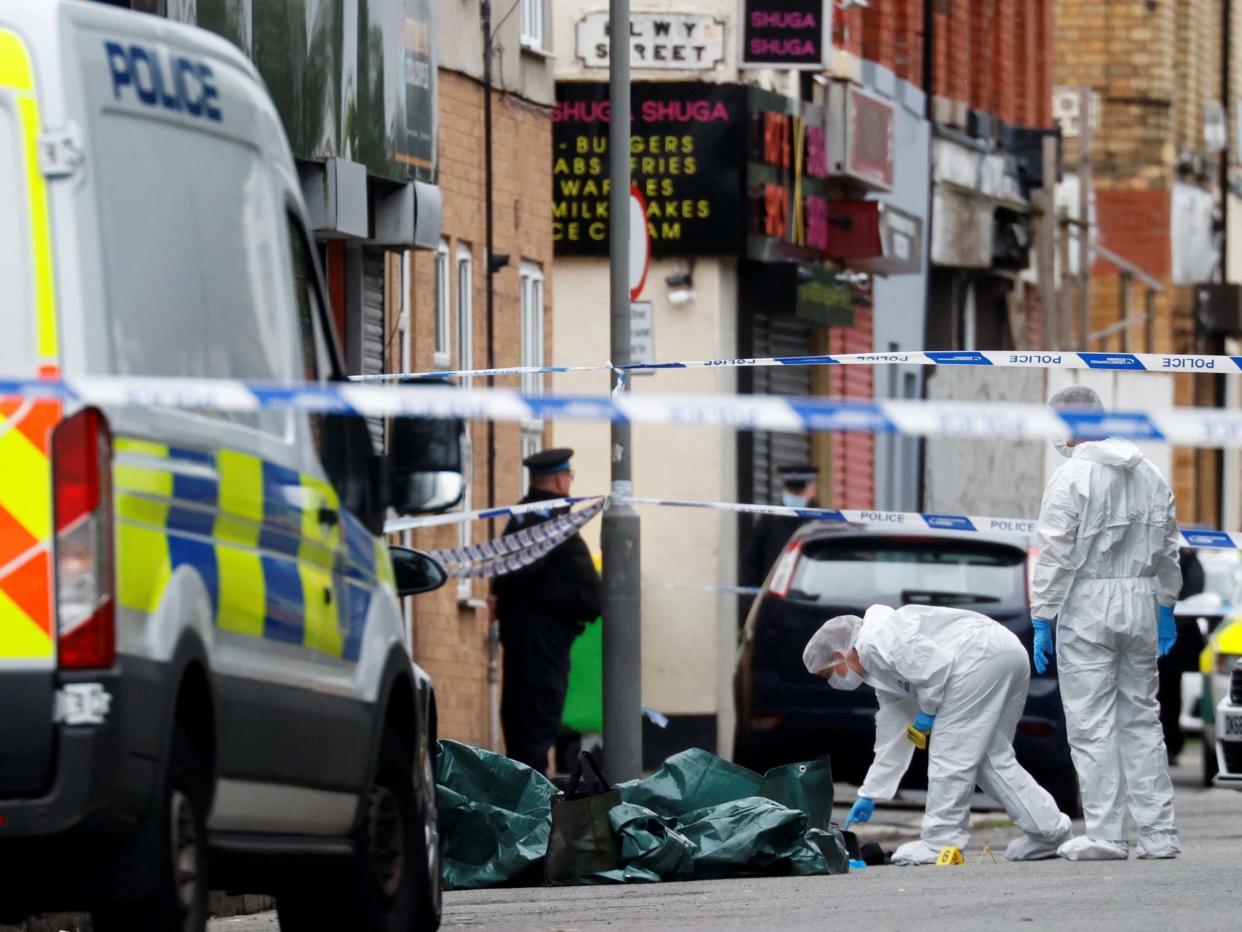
x,y
1108,552
971,673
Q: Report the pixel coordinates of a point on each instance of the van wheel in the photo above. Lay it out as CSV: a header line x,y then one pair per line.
x,y
386,885
428,902
178,858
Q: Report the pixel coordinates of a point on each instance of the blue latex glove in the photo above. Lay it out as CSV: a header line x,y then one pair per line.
x,y
924,721
1168,630
1043,643
860,811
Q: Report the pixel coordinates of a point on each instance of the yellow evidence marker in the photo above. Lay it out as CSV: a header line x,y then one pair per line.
x,y
916,737
950,856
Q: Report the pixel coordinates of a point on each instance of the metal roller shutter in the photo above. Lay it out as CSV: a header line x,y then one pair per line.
x,y
371,345
779,336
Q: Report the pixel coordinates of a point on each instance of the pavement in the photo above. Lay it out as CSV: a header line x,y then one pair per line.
x,y
985,893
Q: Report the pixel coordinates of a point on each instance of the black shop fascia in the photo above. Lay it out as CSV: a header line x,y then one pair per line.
x,y
731,170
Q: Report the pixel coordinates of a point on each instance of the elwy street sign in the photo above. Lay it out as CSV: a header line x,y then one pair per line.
x,y
658,41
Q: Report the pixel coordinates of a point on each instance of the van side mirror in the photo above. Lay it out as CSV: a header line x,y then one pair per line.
x,y
426,464
415,572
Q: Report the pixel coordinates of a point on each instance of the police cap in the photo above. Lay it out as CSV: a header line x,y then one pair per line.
x,y
546,462
799,474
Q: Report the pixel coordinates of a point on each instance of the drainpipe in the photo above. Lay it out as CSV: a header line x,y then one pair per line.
x,y
1226,50
929,89
493,631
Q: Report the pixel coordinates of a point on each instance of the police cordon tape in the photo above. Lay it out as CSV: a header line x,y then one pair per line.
x,y
555,531
516,551
563,528
1194,427
1010,359
1190,537
483,514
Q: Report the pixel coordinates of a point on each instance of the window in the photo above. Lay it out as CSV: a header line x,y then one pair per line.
x,y
898,572
532,326
465,360
316,359
215,311
532,354
17,294
201,293
533,24
465,311
443,323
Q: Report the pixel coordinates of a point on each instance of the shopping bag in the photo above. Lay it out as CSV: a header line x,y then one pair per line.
x,y
582,839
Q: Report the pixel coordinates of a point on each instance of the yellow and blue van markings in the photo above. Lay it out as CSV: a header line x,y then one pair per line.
x,y
251,530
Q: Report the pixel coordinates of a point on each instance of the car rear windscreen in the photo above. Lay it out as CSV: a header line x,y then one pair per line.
x,y
895,571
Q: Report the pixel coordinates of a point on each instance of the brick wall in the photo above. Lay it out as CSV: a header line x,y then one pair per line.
x,y
451,639
994,55
1154,67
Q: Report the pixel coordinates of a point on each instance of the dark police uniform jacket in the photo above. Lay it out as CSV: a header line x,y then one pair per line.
x,y
542,609
768,537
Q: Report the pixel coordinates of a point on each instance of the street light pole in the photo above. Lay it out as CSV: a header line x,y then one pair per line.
x,y
623,737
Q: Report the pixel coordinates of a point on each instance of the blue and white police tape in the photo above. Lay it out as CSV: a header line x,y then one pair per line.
x,y
700,587
1195,427
1011,359
511,563
516,551
554,531
483,514
1206,538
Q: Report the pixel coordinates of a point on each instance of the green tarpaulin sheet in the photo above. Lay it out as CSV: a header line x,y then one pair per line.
x,y
495,816
696,817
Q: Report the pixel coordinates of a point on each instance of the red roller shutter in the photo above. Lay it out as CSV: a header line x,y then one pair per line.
x,y
853,454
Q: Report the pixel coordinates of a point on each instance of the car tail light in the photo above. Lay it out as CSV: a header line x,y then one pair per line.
x,y
782,576
1035,728
82,486
1032,554
765,722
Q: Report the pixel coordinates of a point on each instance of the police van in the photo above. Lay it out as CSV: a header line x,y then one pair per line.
x,y
204,671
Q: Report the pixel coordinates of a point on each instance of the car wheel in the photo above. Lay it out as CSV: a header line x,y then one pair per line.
x,y
178,861
385,886
1210,765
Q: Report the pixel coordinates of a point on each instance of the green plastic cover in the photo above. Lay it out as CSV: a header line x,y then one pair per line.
x,y
697,817
495,817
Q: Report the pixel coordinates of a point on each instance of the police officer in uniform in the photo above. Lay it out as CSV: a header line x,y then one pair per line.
x,y
542,609
770,533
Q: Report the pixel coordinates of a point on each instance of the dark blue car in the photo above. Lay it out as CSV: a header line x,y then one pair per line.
x,y
785,714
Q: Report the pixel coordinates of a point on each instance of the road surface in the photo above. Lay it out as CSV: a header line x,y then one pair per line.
x,y
1196,891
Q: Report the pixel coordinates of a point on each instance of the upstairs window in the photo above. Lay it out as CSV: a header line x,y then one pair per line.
x,y
533,24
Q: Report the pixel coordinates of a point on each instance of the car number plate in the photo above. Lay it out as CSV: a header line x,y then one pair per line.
x,y
1232,726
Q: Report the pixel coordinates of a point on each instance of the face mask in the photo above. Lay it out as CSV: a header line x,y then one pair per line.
x,y
1063,448
852,679
789,500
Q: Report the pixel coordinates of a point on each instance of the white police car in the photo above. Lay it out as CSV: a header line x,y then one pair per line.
x,y
204,675
1229,733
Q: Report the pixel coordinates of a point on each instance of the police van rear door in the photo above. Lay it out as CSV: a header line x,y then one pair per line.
x,y
28,350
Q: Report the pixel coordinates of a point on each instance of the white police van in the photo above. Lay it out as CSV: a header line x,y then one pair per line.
x,y
204,675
